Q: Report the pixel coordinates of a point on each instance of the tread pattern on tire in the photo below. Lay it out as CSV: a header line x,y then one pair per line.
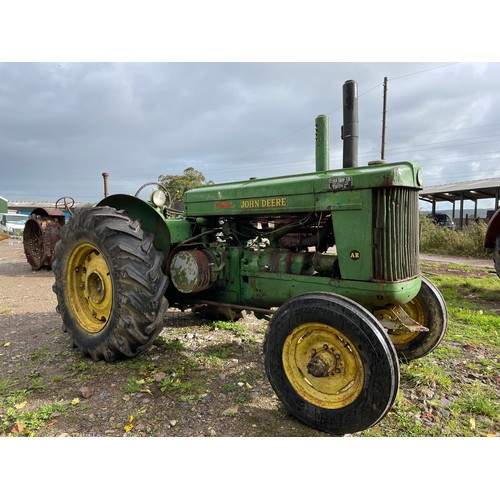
x,y
139,283
361,327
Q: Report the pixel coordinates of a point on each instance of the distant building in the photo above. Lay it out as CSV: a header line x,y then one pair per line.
x,y
26,207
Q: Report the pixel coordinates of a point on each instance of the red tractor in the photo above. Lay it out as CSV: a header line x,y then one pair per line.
x,y
492,239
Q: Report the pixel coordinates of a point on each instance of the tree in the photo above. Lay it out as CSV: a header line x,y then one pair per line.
x,y
177,185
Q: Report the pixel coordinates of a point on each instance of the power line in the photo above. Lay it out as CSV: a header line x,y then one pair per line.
x,y
423,71
334,111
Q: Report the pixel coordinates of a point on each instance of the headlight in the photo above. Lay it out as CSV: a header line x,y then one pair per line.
x,y
420,180
158,198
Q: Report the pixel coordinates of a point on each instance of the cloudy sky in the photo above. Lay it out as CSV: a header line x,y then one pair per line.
x,y
63,123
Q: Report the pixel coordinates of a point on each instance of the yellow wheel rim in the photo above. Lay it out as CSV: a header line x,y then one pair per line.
x,y
323,366
416,312
89,287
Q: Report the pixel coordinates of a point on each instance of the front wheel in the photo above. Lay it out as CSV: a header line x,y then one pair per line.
x,y
109,284
427,309
330,363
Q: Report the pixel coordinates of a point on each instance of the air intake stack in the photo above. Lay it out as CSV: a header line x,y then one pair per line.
x,y
322,144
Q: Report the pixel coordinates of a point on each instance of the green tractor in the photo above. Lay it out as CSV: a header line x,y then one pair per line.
x,y
330,256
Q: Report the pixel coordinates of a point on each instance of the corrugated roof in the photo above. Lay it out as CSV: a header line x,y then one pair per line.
x,y
471,190
39,204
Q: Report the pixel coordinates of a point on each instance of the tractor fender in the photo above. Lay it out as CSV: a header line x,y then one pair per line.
x,y
492,231
151,220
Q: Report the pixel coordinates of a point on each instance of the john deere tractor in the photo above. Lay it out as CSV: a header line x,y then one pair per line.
x,y
330,256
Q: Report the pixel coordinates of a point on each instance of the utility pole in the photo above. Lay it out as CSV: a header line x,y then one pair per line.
x,y
382,151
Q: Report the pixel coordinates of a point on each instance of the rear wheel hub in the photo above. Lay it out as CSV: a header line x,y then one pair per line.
x,y
89,287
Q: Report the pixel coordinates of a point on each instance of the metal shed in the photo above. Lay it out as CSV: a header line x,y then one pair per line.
x,y
462,191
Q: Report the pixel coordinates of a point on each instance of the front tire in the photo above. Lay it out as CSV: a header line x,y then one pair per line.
x,y
428,308
330,363
109,284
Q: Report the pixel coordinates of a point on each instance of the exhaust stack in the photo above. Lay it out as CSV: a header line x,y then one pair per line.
x,y
350,128
105,176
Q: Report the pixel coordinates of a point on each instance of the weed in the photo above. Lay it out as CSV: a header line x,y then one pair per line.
x,y
6,385
189,398
467,242
174,383
221,353
79,366
229,326
134,385
424,371
43,352
169,345
215,358
476,400
36,384
31,421
231,387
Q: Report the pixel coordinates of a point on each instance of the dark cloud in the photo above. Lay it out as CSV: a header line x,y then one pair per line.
x,y
63,124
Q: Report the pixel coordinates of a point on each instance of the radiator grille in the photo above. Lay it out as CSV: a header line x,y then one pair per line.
x,y
395,234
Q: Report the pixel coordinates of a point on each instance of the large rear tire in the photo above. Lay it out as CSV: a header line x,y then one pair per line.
x,y
330,363
109,284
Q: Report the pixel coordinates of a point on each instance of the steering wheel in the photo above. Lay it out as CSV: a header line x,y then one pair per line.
x,y
69,203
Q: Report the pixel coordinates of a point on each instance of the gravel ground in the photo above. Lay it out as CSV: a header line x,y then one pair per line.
x,y
196,380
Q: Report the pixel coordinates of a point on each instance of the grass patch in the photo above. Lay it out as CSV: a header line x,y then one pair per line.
x,y
42,353
36,384
79,366
17,416
425,371
135,385
229,326
170,345
466,242
454,390
174,383
15,421
473,309
477,400
6,385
